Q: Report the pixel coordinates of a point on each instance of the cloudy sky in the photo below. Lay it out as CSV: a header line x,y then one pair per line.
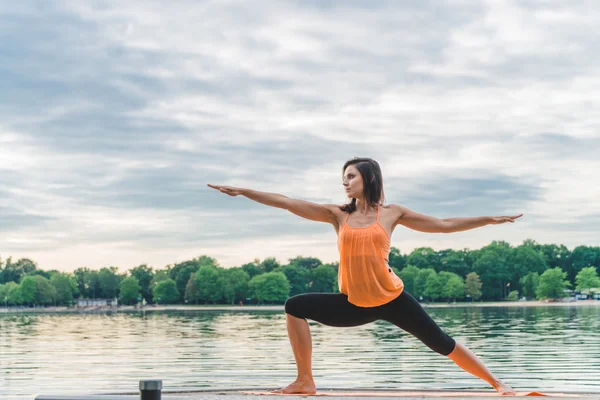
x,y
115,115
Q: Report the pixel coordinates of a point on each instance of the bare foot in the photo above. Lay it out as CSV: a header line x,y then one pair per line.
x,y
504,390
299,386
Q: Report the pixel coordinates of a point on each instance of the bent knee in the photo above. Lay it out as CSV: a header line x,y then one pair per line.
x,y
294,307
444,345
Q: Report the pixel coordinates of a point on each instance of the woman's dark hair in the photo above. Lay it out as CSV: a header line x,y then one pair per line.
x,y
372,183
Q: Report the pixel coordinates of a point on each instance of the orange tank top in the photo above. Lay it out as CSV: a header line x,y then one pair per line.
x,y
364,274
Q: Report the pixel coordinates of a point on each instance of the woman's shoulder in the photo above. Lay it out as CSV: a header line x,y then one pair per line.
x,y
335,209
338,214
396,210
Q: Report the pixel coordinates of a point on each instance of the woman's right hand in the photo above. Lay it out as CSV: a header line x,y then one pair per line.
x,y
232,191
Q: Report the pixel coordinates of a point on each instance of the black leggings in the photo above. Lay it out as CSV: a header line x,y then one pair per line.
x,y
404,311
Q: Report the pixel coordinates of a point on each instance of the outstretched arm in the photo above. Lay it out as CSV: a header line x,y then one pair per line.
x,y
426,223
304,209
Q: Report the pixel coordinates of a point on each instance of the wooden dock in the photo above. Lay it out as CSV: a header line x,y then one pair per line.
x,y
331,394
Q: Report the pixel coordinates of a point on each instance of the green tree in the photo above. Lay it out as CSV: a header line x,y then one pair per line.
x,y
14,272
3,289
207,281
88,283
524,260
234,284
269,287
181,272
269,264
554,255
470,257
423,258
26,265
95,290
513,295
28,289
409,277
81,276
529,284
421,281
454,261
130,290
552,284
309,263
433,287
473,286
322,279
10,293
45,293
335,265
444,277
587,278
454,287
166,291
253,268
160,275
109,281
144,275
548,252
396,260
298,277
581,257
191,290
45,274
64,286
15,294
492,268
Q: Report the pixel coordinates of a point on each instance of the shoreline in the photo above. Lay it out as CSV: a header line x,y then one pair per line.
x,y
222,307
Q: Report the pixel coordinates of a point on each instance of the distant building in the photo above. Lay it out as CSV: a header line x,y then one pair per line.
x,y
96,302
593,293
576,295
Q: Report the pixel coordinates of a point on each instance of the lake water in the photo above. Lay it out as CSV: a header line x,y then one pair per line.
x,y
531,348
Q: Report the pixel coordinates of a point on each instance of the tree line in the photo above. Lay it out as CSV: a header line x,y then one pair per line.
x,y
497,271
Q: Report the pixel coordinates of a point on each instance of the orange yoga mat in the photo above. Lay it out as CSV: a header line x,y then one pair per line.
x,y
392,393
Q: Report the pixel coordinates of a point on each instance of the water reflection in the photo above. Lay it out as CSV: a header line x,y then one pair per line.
x,y
541,348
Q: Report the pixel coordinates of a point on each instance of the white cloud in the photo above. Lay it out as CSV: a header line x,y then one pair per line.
x,y
116,115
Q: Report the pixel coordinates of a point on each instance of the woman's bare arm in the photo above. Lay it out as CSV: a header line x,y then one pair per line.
x,y
304,209
426,223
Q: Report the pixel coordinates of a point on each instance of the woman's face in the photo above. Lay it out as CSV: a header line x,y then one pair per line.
x,y
353,182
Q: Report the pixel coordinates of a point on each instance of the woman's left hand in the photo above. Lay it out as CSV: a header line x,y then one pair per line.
x,y
501,220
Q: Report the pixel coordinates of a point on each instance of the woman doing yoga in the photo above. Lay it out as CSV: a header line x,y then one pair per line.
x,y
369,288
